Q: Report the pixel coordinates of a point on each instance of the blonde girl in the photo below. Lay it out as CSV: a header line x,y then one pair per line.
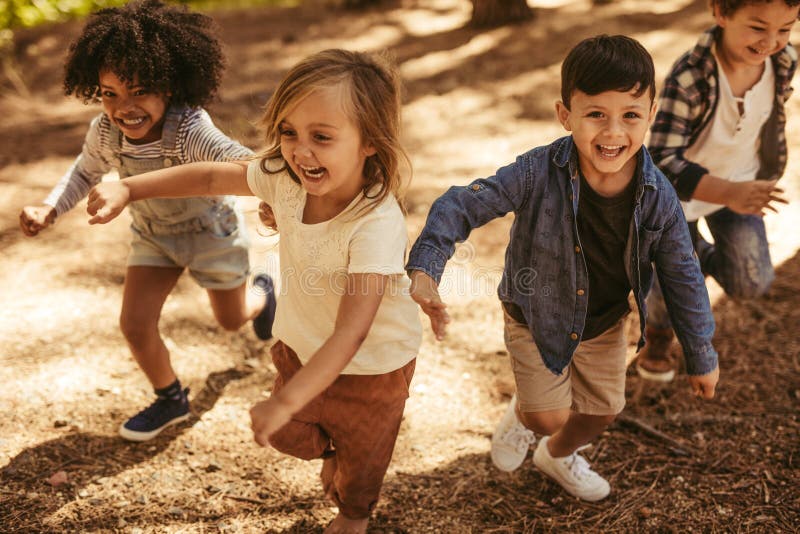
x,y
348,332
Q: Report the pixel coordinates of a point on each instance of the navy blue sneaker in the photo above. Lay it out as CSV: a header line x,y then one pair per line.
x,y
148,423
262,323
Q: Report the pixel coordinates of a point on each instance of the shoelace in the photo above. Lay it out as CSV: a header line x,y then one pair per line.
x,y
519,436
579,467
151,411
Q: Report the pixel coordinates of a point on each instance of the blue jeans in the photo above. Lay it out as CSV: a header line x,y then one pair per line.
x,y
738,260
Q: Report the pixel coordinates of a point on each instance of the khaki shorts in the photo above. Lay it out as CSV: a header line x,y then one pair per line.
x,y
215,262
592,384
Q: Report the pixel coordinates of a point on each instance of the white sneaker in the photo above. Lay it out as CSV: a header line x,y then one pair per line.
x,y
572,473
511,441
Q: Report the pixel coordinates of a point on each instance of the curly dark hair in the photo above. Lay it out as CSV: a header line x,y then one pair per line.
x,y
168,48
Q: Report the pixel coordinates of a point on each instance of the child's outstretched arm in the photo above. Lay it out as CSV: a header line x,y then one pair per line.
x,y
354,318
425,292
688,305
108,199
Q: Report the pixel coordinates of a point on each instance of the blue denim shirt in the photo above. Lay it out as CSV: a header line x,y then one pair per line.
x,y
544,263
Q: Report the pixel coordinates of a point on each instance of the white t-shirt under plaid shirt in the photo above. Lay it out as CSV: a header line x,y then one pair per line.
x,y
315,260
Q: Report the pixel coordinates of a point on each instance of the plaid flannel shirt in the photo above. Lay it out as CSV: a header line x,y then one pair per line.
x,y
687,104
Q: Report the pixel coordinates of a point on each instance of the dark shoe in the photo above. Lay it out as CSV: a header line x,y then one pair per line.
x,y
148,423
262,323
655,361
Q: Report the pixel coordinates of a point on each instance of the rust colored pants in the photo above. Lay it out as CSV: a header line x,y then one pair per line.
x,y
352,425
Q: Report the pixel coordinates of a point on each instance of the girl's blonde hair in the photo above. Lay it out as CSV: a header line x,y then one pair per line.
x,y
371,89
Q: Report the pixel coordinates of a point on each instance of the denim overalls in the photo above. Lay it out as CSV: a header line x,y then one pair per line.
x,y
205,234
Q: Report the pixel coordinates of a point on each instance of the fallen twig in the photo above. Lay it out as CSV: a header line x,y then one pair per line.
x,y
677,446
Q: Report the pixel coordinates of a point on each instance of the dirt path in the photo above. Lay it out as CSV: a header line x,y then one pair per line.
x,y
474,101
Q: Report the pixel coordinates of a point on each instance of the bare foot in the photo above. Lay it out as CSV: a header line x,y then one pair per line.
x,y
343,525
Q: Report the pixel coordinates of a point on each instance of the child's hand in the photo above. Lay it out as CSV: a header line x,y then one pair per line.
x,y
704,385
267,216
266,418
34,219
425,292
107,200
754,197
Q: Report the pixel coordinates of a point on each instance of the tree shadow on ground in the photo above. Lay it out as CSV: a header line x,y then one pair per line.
x,y
25,500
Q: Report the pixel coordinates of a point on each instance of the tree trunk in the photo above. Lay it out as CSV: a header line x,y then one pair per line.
x,y
488,13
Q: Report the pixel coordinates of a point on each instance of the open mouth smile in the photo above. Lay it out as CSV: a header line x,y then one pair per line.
x,y
131,123
610,151
312,173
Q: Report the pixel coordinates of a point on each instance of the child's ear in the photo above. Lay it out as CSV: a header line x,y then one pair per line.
x,y
718,16
562,113
653,110
369,150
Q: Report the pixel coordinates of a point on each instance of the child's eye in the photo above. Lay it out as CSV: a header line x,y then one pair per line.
x,y
632,115
285,132
322,138
107,94
756,29
141,92
595,114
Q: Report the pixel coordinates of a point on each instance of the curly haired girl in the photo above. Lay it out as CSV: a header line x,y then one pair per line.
x,y
152,67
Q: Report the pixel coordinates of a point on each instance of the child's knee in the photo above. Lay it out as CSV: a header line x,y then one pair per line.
x,y
301,440
545,423
750,285
135,329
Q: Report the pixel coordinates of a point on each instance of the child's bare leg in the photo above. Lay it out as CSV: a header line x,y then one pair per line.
x,y
343,525
579,430
146,289
567,430
234,307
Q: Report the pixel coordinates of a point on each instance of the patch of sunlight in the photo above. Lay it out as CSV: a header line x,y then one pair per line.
x,y
381,36
440,16
628,7
464,280
437,62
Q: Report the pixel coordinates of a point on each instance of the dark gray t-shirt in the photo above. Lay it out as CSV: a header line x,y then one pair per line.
x,y
603,227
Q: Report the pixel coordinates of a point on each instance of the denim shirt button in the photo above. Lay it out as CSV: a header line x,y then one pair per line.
x,y
476,187
573,336
577,248
581,292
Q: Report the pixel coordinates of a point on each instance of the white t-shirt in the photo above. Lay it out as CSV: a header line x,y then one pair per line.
x,y
728,146
315,260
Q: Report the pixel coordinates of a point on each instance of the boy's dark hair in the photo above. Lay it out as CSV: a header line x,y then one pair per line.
x,y
729,7
607,63
168,48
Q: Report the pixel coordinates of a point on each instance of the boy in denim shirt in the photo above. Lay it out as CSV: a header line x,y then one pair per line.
x,y
592,214
719,137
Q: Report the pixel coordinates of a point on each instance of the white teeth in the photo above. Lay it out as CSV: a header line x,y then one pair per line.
x,y
313,172
132,122
611,151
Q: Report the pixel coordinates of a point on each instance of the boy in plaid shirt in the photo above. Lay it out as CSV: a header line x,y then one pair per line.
x,y
719,136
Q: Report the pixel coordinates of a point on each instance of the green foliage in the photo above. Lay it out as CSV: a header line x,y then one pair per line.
x,y
27,13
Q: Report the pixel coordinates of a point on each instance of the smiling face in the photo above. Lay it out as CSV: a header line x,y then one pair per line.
x,y
323,147
136,110
756,31
608,130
